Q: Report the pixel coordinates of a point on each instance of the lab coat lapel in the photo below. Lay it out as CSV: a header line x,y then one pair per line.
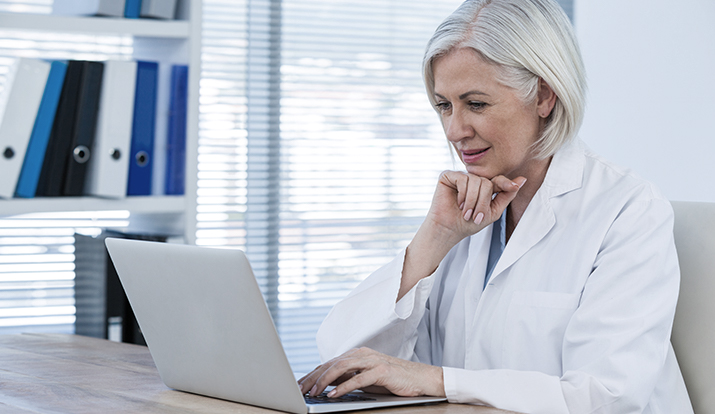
x,y
541,219
565,174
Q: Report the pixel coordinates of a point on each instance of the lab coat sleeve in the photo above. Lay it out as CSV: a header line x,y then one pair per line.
x,y
369,316
616,343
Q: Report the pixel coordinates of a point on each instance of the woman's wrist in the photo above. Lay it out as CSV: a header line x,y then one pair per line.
x,y
432,381
423,255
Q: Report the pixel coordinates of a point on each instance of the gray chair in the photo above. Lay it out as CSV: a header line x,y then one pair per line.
x,y
694,327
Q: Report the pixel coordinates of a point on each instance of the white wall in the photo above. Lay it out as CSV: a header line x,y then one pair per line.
x,y
651,100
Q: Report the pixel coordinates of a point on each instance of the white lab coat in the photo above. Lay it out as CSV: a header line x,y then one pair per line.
x,y
576,317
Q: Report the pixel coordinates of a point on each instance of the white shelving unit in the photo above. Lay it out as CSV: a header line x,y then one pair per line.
x,y
178,29
175,41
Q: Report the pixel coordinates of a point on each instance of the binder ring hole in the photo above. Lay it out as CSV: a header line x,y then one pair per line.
x,y
8,153
142,158
81,154
116,154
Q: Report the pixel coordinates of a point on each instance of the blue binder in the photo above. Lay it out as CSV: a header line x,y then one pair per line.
x,y
142,147
132,9
176,135
35,155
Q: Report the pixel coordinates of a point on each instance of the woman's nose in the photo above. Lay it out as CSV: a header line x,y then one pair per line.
x,y
457,128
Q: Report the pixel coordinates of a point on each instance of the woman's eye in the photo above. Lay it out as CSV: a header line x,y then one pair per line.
x,y
477,105
443,106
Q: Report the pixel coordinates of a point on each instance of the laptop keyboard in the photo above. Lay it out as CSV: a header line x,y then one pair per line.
x,y
323,399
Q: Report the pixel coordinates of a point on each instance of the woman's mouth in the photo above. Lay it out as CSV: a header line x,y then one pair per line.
x,y
472,156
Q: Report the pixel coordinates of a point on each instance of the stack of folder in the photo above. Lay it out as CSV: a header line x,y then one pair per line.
x,y
88,128
131,9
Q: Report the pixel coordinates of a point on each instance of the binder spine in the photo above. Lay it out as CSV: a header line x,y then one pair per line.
x,y
176,141
132,9
85,128
20,103
54,166
109,164
31,167
142,147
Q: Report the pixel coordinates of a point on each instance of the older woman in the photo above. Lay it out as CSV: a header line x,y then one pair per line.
x,y
544,279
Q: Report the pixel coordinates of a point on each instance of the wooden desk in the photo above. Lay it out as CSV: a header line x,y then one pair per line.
x,y
50,373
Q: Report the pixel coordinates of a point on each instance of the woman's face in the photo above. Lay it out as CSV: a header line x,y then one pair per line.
x,y
491,129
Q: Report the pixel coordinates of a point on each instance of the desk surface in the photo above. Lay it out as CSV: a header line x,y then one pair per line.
x,y
50,373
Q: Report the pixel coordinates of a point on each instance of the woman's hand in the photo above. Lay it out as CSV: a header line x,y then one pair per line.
x,y
463,204
364,368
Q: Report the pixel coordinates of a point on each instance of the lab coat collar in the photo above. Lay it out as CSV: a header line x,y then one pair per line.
x,y
565,174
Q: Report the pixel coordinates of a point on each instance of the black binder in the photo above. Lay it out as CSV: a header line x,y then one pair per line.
x,y
52,176
103,310
80,150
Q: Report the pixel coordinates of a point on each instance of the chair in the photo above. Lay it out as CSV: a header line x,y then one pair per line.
x,y
693,335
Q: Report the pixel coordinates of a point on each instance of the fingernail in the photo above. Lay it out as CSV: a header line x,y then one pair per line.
x,y
479,218
461,206
522,183
332,393
468,214
314,390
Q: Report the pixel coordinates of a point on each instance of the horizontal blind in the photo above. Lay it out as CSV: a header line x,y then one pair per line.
x,y
37,268
360,148
325,154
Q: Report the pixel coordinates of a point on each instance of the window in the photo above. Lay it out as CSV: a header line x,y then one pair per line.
x,y
319,150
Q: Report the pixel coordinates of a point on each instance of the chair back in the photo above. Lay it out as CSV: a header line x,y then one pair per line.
x,y
693,335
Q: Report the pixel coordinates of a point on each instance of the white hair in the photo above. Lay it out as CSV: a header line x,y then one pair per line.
x,y
526,40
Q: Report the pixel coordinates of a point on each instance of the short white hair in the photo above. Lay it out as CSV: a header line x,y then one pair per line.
x,y
526,40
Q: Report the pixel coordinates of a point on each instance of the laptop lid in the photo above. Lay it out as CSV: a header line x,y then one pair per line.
x,y
208,327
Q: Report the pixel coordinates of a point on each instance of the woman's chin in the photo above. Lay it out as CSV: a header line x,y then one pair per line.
x,y
481,171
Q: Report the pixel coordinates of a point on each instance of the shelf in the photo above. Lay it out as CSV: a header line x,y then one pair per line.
x,y
169,29
138,205
164,41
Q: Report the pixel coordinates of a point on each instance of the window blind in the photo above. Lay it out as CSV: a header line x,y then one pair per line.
x,y
325,153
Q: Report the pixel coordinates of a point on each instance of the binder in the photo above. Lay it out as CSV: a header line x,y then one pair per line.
x,y
132,9
52,175
113,8
142,145
103,310
31,167
85,127
109,164
19,104
176,136
158,9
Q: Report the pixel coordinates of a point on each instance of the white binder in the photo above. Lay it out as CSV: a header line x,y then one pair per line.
x,y
19,102
114,8
159,9
109,167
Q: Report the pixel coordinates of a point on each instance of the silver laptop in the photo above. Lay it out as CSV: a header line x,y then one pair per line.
x,y
209,330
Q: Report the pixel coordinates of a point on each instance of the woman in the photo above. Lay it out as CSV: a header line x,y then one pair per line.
x,y
543,279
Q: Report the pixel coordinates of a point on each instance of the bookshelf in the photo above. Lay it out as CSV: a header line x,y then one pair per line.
x,y
167,42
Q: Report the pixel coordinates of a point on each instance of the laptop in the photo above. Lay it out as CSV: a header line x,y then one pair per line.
x,y
209,330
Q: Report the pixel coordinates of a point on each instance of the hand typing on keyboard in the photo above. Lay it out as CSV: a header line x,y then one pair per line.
x,y
365,368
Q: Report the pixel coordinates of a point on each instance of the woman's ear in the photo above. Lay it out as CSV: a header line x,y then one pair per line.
x,y
546,99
